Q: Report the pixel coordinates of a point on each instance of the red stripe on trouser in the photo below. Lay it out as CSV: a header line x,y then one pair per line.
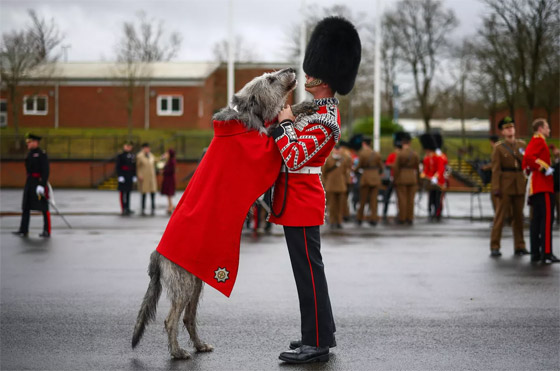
x,y
49,222
547,233
122,205
313,282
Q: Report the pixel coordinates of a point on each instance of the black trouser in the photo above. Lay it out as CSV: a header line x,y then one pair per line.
x,y
387,198
541,224
125,201
317,323
434,201
25,215
153,196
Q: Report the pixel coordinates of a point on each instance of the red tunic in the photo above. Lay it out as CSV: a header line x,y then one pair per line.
x,y
434,166
537,160
391,160
305,204
204,232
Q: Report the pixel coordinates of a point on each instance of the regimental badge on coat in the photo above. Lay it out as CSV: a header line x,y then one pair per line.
x,y
221,274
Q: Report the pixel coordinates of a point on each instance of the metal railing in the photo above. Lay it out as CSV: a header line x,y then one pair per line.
x,y
66,147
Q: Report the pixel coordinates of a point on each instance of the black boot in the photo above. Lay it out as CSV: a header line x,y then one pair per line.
x,y
305,354
495,253
20,234
45,234
297,343
550,257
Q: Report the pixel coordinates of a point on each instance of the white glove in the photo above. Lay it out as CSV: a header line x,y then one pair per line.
x,y
434,180
40,190
121,179
134,179
549,171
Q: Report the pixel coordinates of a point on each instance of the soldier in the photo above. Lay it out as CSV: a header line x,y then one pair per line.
x,y
371,165
347,155
35,192
432,174
443,177
389,162
331,63
126,176
541,193
335,174
508,185
405,172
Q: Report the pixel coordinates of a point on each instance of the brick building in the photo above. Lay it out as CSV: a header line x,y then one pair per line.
x,y
165,95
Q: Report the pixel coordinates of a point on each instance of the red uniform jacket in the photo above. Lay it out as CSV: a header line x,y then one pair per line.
x,y
537,161
301,147
391,160
204,232
434,166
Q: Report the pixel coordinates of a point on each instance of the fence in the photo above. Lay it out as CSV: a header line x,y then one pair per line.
x,y
60,147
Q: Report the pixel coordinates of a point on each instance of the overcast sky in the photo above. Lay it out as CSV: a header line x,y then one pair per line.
x,y
92,27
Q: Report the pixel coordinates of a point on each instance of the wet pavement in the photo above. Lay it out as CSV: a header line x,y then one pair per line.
x,y
425,297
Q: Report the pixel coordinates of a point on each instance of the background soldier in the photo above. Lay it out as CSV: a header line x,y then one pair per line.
x,y
126,173
335,173
371,165
541,193
508,185
397,144
432,174
405,172
443,177
35,192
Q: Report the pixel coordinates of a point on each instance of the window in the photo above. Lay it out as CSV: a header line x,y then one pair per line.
x,y
170,105
35,105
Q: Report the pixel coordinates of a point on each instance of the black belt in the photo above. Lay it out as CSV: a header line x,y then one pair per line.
x,y
512,169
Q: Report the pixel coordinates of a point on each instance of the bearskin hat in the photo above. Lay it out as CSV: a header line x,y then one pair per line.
x,y
428,141
438,139
356,141
333,54
397,139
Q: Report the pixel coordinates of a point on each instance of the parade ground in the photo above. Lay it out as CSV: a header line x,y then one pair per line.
x,y
424,297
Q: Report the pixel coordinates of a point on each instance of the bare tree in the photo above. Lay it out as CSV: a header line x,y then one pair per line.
x,y
531,28
463,56
24,50
420,29
140,44
243,51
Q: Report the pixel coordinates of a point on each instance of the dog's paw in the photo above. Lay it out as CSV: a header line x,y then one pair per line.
x,y
180,354
203,347
304,108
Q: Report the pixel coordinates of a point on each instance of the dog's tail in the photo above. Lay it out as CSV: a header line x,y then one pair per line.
x,y
147,311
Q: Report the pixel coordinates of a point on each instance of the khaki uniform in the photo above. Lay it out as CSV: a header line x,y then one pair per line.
x,y
348,159
509,180
372,166
335,173
405,175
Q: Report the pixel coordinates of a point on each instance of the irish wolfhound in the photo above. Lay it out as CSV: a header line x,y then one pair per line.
x,y
257,102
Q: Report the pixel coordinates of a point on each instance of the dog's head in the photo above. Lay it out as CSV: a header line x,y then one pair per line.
x,y
265,95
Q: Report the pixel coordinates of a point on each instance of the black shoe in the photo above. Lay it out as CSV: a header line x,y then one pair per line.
x,y
535,258
297,343
495,253
551,258
372,223
521,252
358,223
339,226
409,222
305,354
45,234
20,234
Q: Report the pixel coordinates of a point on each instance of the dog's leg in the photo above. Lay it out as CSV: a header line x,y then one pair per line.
x,y
189,319
178,304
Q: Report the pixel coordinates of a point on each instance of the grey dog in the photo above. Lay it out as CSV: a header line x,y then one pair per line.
x,y
257,102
